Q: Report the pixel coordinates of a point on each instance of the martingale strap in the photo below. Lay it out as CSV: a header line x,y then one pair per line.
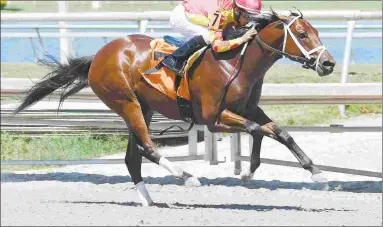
x,y
185,109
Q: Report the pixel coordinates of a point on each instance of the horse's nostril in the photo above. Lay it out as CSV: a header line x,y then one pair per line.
x,y
328,63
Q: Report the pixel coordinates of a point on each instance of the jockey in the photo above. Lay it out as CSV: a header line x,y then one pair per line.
x,y
202,22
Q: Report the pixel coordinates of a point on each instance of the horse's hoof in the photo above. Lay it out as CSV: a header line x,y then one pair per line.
x,y
177,172
192,182
173,169
247,176
319,177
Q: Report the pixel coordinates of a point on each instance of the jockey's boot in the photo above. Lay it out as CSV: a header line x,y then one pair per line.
x,y
176,60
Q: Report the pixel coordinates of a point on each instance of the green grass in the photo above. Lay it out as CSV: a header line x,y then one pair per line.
x,y
305,115
23,70
361,73
319,114
139,6
58,147
279,73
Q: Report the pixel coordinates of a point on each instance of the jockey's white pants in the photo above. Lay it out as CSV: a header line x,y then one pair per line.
x,y
180,23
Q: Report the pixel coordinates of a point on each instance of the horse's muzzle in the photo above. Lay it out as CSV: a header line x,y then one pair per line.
x,y
326,67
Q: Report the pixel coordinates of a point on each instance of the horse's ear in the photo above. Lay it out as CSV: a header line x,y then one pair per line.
x,y
279,26
300,13
272,11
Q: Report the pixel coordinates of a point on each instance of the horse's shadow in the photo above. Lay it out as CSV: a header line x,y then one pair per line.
x,y
261,208
349,186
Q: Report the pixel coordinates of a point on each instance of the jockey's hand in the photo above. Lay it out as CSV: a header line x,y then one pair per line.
x,y
249,34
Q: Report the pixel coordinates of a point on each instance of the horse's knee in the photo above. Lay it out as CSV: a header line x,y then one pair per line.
x,y
252,127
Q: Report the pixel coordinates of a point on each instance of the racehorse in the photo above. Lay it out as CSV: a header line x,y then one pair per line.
x,y
113,74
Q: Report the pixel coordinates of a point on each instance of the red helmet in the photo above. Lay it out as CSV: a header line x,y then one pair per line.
x,y
250,6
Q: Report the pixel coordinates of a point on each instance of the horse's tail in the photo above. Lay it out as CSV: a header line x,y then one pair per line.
x,y
71,77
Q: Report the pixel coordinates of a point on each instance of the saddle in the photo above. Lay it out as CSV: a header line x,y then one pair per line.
x,y
166,81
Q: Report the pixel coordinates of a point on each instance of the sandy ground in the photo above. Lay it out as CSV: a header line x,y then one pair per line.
x,y
105,195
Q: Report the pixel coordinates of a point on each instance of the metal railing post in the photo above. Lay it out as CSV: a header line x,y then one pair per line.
x,y
96,4
210,146
143,25
193,139
235,147
65,45
346,59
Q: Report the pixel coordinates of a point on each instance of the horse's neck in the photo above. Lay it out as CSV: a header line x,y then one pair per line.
x,y
258,61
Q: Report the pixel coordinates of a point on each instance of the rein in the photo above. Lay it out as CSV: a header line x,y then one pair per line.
x,y
222,94
287,55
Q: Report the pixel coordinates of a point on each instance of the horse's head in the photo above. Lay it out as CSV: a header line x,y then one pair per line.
x,y
292,37
300,39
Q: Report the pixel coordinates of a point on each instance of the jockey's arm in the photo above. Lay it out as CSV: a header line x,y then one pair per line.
x,y
220,45
216,27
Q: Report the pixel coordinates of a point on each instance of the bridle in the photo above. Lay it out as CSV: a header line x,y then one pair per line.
x,y
307,61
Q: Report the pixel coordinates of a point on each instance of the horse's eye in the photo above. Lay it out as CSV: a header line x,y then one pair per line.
x,y
303,35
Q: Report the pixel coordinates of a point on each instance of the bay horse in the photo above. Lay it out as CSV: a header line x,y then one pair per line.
x,y
113,75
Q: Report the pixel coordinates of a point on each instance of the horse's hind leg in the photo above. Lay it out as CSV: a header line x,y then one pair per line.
x,y
133,161
132,114
141,145
117,93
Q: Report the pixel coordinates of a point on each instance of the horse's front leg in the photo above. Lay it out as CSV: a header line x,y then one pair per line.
x,y
231,122
255,158
286,139
257,115
256,127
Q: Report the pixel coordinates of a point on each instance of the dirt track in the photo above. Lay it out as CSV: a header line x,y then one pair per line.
x,y
105,195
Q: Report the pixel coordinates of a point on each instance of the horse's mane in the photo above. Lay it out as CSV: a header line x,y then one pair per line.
x,y
261,21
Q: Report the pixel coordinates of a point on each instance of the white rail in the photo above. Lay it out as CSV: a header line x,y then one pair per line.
x,y
165,15
155,35
153,26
